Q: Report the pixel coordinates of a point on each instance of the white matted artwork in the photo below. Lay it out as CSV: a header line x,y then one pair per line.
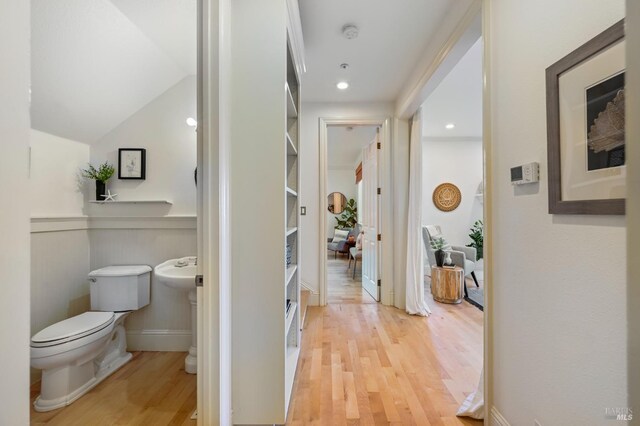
x,y
131,163
592,127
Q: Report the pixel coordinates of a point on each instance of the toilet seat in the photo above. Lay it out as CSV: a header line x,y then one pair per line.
x,y
73,328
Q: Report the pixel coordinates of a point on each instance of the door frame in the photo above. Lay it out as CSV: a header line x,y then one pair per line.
x,y
213,213
385,210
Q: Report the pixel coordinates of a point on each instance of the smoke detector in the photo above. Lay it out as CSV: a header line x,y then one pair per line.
x,y
344,66
350,31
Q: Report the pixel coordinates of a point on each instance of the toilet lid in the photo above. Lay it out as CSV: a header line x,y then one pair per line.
x,y
73,328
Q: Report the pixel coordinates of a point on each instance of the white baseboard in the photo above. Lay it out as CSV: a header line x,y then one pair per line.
x,y
497,419
159,340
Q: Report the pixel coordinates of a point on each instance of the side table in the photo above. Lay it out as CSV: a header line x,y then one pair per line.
x,y
447,284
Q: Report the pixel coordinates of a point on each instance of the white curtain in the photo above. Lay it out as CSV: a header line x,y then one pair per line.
x,y
415,303
473,406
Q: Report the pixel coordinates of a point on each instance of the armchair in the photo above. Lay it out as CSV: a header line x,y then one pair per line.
x,y
344,245
464,257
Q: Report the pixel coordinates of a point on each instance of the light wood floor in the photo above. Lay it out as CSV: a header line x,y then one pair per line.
x,y
152,389
341,286
368,364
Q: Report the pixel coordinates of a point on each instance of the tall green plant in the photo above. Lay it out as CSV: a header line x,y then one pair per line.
x,y
477,238
349,216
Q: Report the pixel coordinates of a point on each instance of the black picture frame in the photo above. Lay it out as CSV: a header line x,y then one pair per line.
x,y
131,172
614,206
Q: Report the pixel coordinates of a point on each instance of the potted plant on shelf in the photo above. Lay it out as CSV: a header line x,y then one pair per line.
x,y
101,175
438,244
477,238
349,216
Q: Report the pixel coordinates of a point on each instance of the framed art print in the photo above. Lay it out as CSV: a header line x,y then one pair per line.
x,y
131,163
586,127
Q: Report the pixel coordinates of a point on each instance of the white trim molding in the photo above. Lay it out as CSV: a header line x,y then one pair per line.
x,y
79,223
497,419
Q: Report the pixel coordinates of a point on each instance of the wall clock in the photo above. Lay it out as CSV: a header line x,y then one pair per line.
x,y
447,197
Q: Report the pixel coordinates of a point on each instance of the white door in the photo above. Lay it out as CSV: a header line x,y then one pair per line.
x,y
370,219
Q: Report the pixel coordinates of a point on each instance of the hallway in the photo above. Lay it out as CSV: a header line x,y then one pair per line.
x,y
372,364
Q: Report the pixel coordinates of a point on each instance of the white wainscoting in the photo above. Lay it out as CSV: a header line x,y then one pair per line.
x,y
66,249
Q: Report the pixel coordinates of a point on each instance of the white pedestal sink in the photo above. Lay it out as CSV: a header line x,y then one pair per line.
x,y
181,274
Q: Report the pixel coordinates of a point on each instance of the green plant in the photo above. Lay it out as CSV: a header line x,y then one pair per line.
x,y
438,243
101,174
349,216
477,238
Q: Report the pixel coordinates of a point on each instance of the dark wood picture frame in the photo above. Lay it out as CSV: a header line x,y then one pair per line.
x,y
143,164
599,43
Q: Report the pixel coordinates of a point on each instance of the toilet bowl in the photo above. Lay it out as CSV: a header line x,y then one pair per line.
x,y
78,353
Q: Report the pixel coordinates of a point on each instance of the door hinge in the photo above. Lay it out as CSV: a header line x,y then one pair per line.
x,y
199,281
379,145
379,283
379,237
379,191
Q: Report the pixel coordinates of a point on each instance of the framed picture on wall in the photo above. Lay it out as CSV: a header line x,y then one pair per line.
x,y
132,163
586,127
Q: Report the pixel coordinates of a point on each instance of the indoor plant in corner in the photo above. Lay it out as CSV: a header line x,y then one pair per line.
x,y
101,175
477,238
349,216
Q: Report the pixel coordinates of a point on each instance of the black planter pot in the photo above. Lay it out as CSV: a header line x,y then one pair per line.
x,y
101,189
439,258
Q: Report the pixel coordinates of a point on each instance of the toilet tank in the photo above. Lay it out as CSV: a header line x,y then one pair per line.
x,y
120,288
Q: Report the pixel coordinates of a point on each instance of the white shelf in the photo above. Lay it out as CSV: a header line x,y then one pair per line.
x,y
290,316
132,202
291,192
291,149
292,111
292,230
289,273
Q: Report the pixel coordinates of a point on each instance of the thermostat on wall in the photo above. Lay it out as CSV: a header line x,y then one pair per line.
x,y
527,173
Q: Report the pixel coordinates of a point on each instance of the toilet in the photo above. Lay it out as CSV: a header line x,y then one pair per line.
x,y
78,353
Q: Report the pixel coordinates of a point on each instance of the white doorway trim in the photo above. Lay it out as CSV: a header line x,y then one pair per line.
x,y
386,203
214,263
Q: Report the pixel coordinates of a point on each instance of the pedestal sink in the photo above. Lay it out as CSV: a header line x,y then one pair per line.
x,y
181,274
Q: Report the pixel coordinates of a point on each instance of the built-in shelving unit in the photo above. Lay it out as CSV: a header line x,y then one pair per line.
x,y
266,299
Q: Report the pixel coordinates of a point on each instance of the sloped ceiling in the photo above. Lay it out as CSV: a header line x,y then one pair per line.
x,y
344,145
96,62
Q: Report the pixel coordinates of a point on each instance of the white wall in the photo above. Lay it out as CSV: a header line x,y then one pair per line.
x,y
160,128
343,181
459,163
633,198
14,215
559,329
309,183
56,186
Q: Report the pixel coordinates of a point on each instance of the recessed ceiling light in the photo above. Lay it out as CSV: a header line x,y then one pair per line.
x,y
192,122
450,126
342,85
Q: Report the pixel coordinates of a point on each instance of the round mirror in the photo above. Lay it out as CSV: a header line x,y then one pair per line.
x,y
336,202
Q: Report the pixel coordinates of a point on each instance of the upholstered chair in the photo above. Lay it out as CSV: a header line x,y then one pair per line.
x,y
464,257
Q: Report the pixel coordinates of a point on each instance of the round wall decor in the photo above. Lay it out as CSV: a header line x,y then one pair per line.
x,y
447,197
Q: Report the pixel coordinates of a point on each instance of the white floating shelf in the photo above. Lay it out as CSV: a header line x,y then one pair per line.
x,y
289,273
292,230
132,202
292,112
291,192
290,316
291,149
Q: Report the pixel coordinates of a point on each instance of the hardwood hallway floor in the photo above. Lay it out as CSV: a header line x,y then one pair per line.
x,y
342,287
151,389
368,364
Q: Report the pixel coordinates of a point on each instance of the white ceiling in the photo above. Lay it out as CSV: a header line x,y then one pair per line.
x,y
392,36
96,62
344,146
457,100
